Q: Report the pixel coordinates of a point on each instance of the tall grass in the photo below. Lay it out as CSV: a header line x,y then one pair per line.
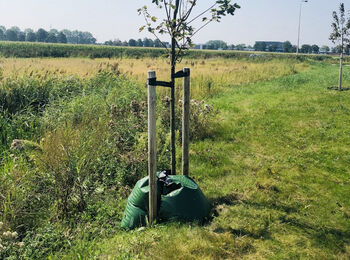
x,y
209,76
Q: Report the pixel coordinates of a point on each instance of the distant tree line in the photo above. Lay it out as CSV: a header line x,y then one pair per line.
x,y
78,37
146,42
286,46
52,36
305,48
221,45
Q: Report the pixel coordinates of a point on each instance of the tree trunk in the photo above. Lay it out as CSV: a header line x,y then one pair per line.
x,y
341,70
172,106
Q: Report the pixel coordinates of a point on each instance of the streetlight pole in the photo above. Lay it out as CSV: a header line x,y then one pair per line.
x,y
301,3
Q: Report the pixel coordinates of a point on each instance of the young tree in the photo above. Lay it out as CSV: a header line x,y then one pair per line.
x,y
179,24
341,35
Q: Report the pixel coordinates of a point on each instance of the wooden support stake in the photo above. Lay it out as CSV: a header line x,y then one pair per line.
x,y
152,150
186,123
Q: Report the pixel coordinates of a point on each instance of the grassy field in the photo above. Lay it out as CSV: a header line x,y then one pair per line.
x,y
209,76
276,172
273,159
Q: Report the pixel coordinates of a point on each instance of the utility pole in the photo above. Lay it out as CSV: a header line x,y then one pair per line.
x,y
301,4
172,103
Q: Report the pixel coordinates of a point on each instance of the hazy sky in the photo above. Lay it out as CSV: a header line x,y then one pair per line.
x,y
268,20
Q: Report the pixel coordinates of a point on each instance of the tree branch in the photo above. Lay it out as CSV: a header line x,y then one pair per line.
x,y
202,13
151,31
187,14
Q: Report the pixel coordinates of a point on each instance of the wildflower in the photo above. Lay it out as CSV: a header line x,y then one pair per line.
x,y
20,244
194,102
17,145
166,100
14,234
2,247
7,234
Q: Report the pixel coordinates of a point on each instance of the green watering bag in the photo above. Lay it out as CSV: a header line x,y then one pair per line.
x,y
179,198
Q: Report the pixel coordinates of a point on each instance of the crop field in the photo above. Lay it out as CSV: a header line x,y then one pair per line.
x,y
269,148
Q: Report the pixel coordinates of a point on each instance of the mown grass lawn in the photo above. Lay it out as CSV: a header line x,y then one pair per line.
x,y
276,170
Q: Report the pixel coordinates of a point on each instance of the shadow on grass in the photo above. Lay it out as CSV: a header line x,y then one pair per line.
x,y
229,199
272,205
322,235
337,88
260,234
